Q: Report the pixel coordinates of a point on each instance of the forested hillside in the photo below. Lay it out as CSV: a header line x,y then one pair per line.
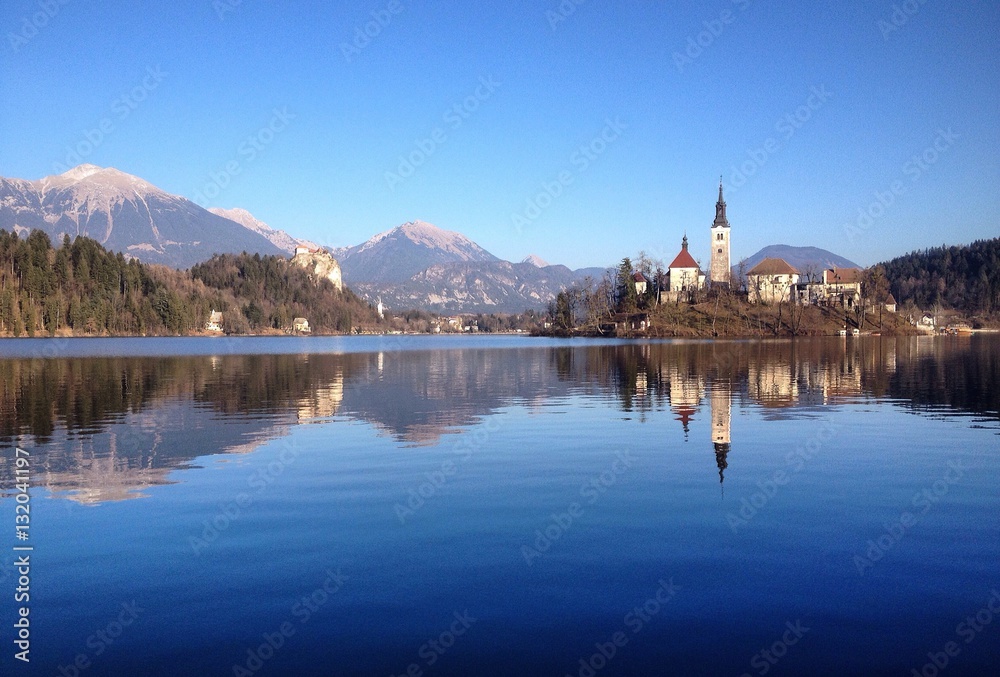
x,y
80,288
964,277
272,292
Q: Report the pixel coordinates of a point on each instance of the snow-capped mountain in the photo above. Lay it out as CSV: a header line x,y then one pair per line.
x,y
398,254
278,238
124,213
536,261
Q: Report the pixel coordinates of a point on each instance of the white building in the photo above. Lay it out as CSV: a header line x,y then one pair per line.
x,y
214,321
684,276
772,281
640,282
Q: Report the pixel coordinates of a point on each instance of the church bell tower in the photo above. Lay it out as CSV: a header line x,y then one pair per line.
x,y
719,269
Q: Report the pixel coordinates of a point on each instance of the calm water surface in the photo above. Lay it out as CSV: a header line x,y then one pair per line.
x,y
505,506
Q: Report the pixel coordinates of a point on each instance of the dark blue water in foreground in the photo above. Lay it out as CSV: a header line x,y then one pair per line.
x,y
506,507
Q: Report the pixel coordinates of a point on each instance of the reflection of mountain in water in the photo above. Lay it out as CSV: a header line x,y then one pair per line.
x,y
106,428
140,449
417,396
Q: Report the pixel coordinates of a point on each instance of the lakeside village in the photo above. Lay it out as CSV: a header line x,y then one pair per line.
x,y
771,298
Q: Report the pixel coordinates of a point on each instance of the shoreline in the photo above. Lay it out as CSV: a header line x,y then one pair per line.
x,y
634,336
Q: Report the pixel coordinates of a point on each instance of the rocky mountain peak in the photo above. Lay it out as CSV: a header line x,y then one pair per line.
x,y
104,181
398,254
81,172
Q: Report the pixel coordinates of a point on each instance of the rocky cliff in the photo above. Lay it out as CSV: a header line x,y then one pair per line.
x,y
320,264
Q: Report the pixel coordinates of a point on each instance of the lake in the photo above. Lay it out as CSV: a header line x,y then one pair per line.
x,y
503,506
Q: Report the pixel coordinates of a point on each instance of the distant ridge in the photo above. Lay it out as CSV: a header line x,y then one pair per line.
x,y
414,265
278,238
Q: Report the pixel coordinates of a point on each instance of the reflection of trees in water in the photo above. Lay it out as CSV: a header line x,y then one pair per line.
x,y
153,413
961,373
83,394
451,388
79,395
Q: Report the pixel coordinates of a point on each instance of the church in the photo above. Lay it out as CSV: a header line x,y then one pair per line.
x,y
684,276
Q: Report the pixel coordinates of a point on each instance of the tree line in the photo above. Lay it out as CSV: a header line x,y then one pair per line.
x,y
587,304
965,278
80,288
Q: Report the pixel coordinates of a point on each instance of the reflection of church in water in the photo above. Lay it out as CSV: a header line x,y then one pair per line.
x,y
780,385
687,391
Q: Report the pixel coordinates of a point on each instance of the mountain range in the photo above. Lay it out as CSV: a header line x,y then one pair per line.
x,y
415,265
418,265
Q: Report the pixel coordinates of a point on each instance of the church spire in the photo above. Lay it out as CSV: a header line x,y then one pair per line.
x,y
720,210
684,243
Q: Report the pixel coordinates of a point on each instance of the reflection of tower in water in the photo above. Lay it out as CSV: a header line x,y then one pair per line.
x,y
721,402
686,391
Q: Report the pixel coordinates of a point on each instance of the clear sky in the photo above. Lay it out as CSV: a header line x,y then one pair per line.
x,y
282,109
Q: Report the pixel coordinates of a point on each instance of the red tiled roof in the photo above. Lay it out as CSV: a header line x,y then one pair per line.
x,y
639,277
843,275
771,266
684,260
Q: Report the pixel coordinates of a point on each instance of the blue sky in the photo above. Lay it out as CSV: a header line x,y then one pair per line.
x,y
259,105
